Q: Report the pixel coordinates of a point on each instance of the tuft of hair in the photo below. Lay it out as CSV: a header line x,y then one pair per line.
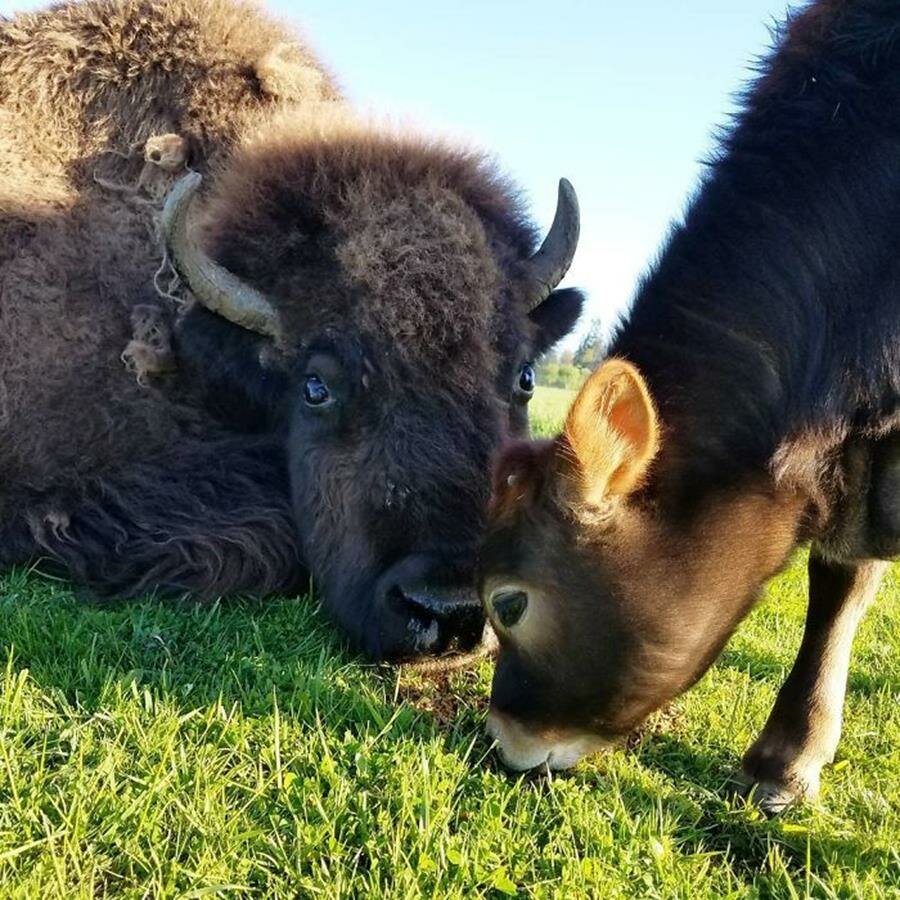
x,y
284,73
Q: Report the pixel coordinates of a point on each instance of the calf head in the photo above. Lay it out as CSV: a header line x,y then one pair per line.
x,y
392,293
606,600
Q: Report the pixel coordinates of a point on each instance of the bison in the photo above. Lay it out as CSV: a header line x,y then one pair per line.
x,y
349,336
750,403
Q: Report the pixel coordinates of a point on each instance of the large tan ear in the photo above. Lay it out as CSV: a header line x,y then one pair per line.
x,y
613,431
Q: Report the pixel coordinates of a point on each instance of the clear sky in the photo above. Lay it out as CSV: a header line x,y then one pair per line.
x,y
620,97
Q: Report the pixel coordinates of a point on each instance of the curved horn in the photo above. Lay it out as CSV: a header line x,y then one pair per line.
x,y
214,286
544,271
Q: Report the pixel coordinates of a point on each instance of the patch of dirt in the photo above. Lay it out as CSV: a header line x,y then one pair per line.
x,y
668,719
443,695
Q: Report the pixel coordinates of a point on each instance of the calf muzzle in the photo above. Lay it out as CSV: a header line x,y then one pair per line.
x,y
521,748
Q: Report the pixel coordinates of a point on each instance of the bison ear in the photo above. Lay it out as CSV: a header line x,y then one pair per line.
x,y
556,317
613,431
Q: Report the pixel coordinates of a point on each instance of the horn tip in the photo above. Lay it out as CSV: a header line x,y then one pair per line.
x,y
184,187
567,192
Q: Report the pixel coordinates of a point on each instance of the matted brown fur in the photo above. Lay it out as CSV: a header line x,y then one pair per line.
x,y
82,86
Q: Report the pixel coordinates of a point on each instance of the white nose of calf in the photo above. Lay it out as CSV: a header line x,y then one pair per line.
x,y
521,749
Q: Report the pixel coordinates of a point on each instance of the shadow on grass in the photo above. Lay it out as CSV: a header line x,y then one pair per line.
x,y
257,654
758,664
763,665
710,818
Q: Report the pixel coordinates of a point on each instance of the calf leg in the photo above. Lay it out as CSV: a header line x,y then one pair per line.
x,y
804,728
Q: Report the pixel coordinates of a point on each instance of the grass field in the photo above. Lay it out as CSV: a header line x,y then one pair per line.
x,y
153,750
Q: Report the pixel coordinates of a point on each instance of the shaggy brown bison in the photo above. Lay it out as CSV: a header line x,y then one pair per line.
x,y
751,402
321,389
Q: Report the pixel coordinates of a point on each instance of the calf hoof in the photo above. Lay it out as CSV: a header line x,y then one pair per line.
x,y
773,796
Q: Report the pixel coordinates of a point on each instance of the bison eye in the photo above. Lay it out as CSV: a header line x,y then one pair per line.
x,y
315,391
509,606
526,381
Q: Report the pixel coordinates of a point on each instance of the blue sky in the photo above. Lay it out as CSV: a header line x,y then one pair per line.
x,y
620,97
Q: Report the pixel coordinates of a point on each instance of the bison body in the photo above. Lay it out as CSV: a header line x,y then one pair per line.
x,y
159,433
751,402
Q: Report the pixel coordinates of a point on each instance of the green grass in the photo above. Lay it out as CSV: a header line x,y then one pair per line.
x,y
157,750
548,409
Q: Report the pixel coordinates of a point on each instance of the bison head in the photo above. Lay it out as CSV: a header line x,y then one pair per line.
x,y
392,294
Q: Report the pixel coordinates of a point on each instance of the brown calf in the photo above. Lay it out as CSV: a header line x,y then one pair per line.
x,y
608,600
751,402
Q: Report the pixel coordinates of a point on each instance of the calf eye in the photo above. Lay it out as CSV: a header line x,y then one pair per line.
x,y
509,606
526,380
315,391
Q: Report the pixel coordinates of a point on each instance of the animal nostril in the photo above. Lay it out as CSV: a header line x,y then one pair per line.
x,y
406,604
457,617
419,631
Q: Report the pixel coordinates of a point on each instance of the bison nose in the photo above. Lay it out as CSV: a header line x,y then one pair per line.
x,y
432,619
426,604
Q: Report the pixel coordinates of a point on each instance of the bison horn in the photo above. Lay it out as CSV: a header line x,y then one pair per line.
x,y
546,269
214,286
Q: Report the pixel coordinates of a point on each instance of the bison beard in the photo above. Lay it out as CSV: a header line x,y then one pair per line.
x,y
147,444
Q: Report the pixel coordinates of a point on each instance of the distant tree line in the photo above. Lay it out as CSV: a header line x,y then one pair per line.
x,y
570,368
